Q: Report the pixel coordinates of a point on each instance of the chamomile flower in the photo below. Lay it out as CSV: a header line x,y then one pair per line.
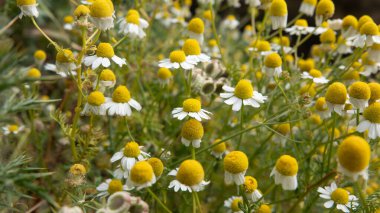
x,y
28,8
339,197
307,7
233,204
369,66
189,177
359,93
261,46
157,165
193,51
315,75
279,14
349,26
285,172
273,64
177,59
39,57
12,129
374,52
81,12
327,39
213,49
69,23
129,155
196,29
321,108
284,131
282,44
192,133
325,10
369,34
107,79
230,23
141,175
242,94
133,25
264,208
353,157
219,150
33,73
121,102
336,96
192,108
344,45
110,186
300,27
250,187
164,75
104,55
95,104
64,61
102,14
371,121
375,92
235,166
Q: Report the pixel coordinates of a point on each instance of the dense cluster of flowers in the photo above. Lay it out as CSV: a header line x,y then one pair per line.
x,y
208,95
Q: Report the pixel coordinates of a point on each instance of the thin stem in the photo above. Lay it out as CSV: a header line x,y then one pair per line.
x,y
44,34
331,140
2,30
216,33
241,125
158,200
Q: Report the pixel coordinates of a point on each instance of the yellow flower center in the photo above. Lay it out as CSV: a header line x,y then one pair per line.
x,y
364,19
328,37
101,9
157,165
64,56
13,128
133,12
340,196
287,165
315,73
316,119
306,65
262,46
354,154
177,56
96,98
359,90
196,25
81,10
107,75
115,186
190,173
191,105
273,60
68,19
191,47
250,184
212,43
264,209
375,91
372,113
235,204
25,2
311,2
207,15
133,18
132,149
301,23
369,28
284,129
142,172
192,130
235,162
278,8
244,89
336,93
77,169
351,75
40,55
350,21
105,50
231,17
220,148
34,73
164,73
325,8
121,94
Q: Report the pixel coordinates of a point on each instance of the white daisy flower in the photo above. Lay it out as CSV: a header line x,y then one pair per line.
x,y
250,186
195,29
28,8
273,64
285,172
321,108
230,23
369,34
141,176
336,97
300,27
189,177
102,14
233,204
12,129
133,25
111,186
193,51
104,55
339,197
95,104
315,75
176,60
235,167
192,133
371,122
219,150
192,108
307,7
64,63
121,102
242,94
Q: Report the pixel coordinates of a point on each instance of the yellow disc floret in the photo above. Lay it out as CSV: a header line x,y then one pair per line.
x,y
190,173
278,8
273,60
157,165
235,162
315,73
13,128
364,19
372,113
250,184
244,89
196,25
354,154
340,196
369,28
115,186
306,65
301,23
325,8
121,94
34,73
133,12
359,90
350,21
207,15
264,209
96,98
101,9
235,204
131,149
107,75
81,10
105,50
68,19
287,165
191,105
77,170
327,37
25,2
177,56
142,172
164,73
375,91
133,18
64,56
336,93
220,148
192,130
283,129
40,55
191,47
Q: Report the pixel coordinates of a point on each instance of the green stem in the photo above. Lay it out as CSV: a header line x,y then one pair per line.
x,y
158,200
44,34
331,140
241,126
